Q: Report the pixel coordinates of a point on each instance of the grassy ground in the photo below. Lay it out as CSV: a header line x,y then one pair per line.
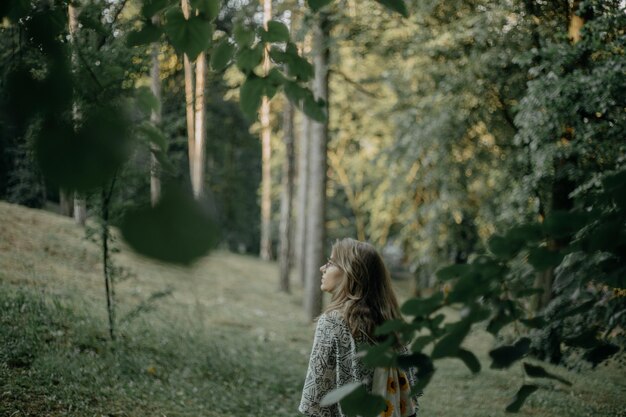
x,y
221,341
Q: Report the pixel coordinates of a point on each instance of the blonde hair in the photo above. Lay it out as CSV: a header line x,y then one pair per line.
x,y
365,297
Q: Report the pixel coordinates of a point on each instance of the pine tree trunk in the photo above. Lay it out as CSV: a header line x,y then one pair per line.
x,y
189,101
155,117
200,128
266,176
303,184
314,254
286,199
80,204
66,202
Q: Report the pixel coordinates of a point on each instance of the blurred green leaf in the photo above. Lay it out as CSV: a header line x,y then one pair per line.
x,y
520,397
469,359
315,5
587,339
421,342
148,34
354,400
276,32
153,135
504,247
337,394
88,157
424,365
315,109
210,8
505,356
390,326
395,5
151,7
191,36
146,101
380,354
452,271
222,54
600,353
177,230
540,372
297,66
250,95
526,233
422,306
244,36
560,224
249,58
542,258
449,345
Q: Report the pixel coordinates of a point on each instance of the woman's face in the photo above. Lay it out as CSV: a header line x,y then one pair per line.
x,y
332,276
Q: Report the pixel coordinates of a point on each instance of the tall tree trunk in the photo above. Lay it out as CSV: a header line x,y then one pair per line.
x,y
66,202
316,227
80,204
189,101
303,185
155,117
286,199
199,128
266,177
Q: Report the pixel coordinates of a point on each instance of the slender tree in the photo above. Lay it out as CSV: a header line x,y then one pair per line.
x,y
302,190
266,178
286,199
155,117
316,228
80,204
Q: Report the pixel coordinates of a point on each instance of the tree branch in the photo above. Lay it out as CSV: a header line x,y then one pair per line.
x,y
355,84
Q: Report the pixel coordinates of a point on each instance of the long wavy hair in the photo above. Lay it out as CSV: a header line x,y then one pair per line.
x,y
365,297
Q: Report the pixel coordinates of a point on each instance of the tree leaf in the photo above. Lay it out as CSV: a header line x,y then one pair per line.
x,y
151,7
390,326
244,36
250,95
222,54
177,229
560,223
315,5
600,353
540,372
337,394
504,247
586,339
146,101
395,5
154,135
469,359
148,34
422,306
191,36
210,8
424,365
452,271
449,345
315,109
542,258
249,58
520,397
505,356
276,32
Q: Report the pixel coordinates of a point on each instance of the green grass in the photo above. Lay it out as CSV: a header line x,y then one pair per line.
x,y
223,343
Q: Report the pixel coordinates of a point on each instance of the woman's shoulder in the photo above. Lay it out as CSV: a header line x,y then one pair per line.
x,y
332,319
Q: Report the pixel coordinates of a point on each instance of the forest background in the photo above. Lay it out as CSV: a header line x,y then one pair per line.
x,y
483,135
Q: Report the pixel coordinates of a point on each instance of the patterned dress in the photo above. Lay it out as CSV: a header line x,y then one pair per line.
x,y
334,363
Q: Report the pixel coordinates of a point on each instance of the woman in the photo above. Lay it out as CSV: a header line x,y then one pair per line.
x,y
362,298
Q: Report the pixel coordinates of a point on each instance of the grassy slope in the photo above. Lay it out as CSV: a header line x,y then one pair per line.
x,y
224,343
